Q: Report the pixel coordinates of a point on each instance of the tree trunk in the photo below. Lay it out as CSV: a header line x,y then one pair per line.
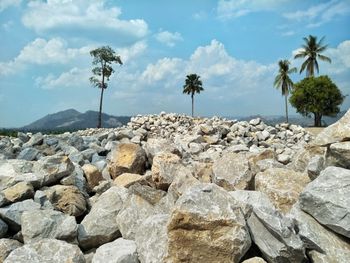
x,y
286,107
99,124
192,97
317,119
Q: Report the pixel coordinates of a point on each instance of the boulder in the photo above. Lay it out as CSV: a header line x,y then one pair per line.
x,y
28,154
40,224
254,260
275,236
282,186
127,158
127,179
53,168
231,171
92,174
324,245
151,195
12,214
119,251
152,240
100,226
35,139
19,192
67,199
338,154
164,169
327,199
154,146
7,246
46,251
315,166
337,132
207,226
3,228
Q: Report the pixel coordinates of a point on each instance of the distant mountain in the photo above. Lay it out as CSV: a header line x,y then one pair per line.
x,y
74,120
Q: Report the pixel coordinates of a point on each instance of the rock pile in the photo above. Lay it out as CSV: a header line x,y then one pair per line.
x,y
171,188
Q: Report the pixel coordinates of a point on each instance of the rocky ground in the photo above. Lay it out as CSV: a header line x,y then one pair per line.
x,y
170,188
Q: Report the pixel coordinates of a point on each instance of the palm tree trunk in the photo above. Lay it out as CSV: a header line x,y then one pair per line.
x,y
192,97
99,124
286,107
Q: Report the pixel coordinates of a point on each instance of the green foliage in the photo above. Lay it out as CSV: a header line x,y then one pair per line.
x,y
312,51
103,57
193,85
319,96
283,80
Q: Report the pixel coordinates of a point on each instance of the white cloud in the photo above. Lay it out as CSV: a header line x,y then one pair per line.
x,y
320,14
7,3
92,16
228,9
43,52
169,38
288,33
133,51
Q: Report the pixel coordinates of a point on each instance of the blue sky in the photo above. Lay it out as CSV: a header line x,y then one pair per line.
x,y
234,45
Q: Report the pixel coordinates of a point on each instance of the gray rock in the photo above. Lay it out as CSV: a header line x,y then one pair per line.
x,y
46,251
53,168
203,222
40,224
91,233
337,132
255,122
77,142
35,139
19,192
231,171
283,158
12,214
119,251
28,154
325,245
338,154
3,228
315,166
41,198
23,137
275,236
152,240
7,246
327,199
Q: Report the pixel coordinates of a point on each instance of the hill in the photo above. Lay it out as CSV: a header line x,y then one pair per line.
x,y
74,120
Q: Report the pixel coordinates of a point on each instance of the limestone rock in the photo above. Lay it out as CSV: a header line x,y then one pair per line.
x,y
337,132
7,246
325,245
207,226
67,199
327,199
119,251
41,224
12,214
164,168
254,260
154,146
92,175
28,154
275,236
338,154
46,251
53,168
19,192
282,186
127,179
151,195
152,240
3,228
231,171
127,158
91,232
315,166
35,139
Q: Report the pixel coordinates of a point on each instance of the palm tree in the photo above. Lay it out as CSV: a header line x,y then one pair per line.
x,y
283,80
192,85
311,50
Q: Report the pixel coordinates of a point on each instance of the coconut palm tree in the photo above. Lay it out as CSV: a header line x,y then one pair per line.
x,y
283,80
192,85
312,51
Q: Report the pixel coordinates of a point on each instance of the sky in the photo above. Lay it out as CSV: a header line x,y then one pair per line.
x,y
234,45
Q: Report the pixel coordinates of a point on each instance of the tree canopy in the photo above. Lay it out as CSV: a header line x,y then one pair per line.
x,y
318,96
193,85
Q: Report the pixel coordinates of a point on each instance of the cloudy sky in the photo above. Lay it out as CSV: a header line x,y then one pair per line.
x,y
234,45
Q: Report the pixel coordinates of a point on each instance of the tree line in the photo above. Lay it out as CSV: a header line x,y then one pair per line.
x,y
312,95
